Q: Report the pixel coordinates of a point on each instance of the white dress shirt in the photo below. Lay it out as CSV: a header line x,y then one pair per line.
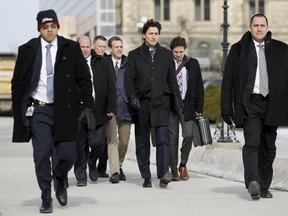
x,y
40,93
256,89
184,80
91,73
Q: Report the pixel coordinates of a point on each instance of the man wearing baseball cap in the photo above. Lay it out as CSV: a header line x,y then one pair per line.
x,y
50,79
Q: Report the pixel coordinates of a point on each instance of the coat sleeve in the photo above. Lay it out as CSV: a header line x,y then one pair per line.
x,y
15,82
111,105
176,100
227,83
130,75
199,97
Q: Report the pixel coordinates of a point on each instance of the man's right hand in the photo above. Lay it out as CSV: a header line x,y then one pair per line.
x,y
90,117
227,119
134,103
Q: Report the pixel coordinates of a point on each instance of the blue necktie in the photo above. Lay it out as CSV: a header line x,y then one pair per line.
x,y
49,71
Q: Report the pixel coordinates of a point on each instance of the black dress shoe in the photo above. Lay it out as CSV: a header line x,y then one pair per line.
x,y
103,175
114,178
122,176
266,194
164,181
46,206
147,183
60,191
254,190
81,183
93,175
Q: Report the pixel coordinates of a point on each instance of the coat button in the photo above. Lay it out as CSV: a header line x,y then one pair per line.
x,y
152,80
69,90
68,106
68,75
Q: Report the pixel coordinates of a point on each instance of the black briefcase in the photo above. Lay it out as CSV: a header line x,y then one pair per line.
x,y
202,132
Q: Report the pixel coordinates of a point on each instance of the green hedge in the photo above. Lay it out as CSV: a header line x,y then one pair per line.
x,y
212,102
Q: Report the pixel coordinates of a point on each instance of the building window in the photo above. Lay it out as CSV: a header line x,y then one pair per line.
x,y
202,10
106,18
256,6
162,10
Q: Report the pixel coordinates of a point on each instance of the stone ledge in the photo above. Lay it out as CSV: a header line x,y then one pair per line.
x,y
223,160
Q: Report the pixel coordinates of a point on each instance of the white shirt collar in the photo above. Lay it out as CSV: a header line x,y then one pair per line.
x,y
114,61
257,43
54,42
88,58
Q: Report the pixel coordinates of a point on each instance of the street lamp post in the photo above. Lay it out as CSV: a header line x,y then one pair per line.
x,y
225,27
224,132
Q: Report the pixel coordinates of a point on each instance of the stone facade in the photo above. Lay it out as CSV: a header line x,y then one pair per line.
x,y
204,37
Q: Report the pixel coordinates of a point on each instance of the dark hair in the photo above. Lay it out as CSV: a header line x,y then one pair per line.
x,y
258,15
178,41
99,37
114,38
151,23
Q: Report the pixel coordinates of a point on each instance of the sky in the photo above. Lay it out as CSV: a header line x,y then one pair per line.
x,y
18,21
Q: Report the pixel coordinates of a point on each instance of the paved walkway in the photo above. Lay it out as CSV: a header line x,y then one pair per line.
x,y
199,196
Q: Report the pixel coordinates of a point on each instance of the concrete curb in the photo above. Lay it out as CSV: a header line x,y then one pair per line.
x,y
223,160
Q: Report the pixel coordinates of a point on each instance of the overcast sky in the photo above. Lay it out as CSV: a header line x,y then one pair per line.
x,y
18,23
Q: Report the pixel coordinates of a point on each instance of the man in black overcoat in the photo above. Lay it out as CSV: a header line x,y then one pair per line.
x,y
150,83
104,92
50,79
255,104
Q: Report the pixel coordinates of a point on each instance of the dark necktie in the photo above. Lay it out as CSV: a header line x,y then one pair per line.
x,y
49,71
263,83
116,68
179,77
152,53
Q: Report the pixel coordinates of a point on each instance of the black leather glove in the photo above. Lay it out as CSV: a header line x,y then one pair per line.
x,y
90,117
227,119
134,103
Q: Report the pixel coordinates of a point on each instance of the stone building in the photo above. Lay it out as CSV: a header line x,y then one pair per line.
x,y
199,21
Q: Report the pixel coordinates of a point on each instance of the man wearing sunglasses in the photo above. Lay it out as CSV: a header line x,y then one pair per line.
x,y
50,79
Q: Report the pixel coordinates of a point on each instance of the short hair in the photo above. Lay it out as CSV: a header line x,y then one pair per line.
x,y
178,41
258,15
99,37
151,23
82,36
114,38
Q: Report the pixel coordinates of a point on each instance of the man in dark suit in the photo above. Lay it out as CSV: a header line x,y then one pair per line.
x,y
99,48
191,88
50,79
150,82
105,107
254,86
118,129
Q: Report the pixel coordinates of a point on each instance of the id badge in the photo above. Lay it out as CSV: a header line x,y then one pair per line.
x,y
30,110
